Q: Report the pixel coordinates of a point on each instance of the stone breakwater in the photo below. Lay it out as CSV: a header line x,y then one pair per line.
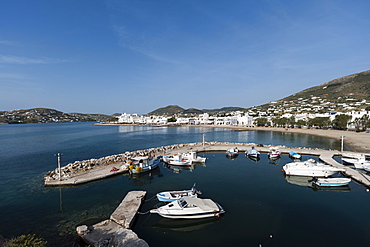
x,y
83,166
80,167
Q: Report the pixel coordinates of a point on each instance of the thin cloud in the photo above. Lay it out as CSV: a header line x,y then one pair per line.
x,y
8,42
27,60
11,76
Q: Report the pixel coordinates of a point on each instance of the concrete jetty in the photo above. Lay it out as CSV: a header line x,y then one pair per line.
x,y
115,231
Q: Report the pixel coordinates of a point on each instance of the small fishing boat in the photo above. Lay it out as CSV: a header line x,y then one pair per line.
x,y
232,152
176,160
310,168
170,196
193,158
274,153
330,182
190,208
294,155
143,164
251,152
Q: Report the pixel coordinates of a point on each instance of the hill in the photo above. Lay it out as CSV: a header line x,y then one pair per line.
x,y
177,110
346,93
167,110
356,86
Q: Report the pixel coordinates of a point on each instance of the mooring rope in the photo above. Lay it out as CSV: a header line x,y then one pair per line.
x,y
150,198
144,212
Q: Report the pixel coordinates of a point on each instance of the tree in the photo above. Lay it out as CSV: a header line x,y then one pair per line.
x,y
361,124
261,121
300,123
281,122
341,121
291,121
172,120
321,122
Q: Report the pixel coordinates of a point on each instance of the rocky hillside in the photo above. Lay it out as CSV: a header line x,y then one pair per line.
x,y
356,86
45,115
347,93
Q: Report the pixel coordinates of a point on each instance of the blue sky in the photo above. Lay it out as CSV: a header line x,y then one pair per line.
x,y
96,56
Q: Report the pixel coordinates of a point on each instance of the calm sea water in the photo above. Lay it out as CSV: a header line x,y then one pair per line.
x,y
263,208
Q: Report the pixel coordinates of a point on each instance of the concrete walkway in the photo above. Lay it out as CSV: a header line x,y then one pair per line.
x,y
115,232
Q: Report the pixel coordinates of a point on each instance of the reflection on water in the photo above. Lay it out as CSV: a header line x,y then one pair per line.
x,y
179,169
185,225
274,161
299,180
140,179
254,159
305,182
232,157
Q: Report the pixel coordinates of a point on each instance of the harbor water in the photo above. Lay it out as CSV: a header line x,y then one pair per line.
x,y
263,207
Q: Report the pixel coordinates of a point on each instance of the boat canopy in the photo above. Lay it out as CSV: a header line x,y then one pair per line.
x,y
140,158
204,204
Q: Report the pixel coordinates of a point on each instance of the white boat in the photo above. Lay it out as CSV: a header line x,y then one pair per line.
x,y
310,168
359,163
193,158
274,153
170,196
190,208
176,160
143,164
232,152
294,155
251,152
330,182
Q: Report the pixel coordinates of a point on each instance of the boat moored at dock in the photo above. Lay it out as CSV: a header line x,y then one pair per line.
x,y
170,196
190,208
144,163
294,155
232,152
274,153
330,182
310,168
252,152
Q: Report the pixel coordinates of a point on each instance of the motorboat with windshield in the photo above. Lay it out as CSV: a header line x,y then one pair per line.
x,y
310,168
190,208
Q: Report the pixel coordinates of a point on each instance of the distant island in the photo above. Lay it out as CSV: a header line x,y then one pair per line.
x,y
45,115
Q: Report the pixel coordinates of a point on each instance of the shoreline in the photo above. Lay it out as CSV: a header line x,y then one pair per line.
x,y
357,141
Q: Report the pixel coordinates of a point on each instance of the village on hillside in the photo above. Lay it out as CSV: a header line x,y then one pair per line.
x,y
312,112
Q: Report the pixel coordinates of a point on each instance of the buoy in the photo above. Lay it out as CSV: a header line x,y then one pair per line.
x,y
271,236
367,190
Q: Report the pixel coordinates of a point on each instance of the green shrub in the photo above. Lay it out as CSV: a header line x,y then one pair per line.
x,y
28,240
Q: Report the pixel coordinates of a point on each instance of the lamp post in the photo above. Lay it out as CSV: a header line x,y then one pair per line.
x,y
58,155
342,142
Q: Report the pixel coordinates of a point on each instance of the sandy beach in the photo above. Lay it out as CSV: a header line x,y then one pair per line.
x,y
357,141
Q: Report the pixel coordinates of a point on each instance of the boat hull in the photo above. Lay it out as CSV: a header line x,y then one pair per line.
x,y
190,208
332,182
175,195
310,169
190,215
